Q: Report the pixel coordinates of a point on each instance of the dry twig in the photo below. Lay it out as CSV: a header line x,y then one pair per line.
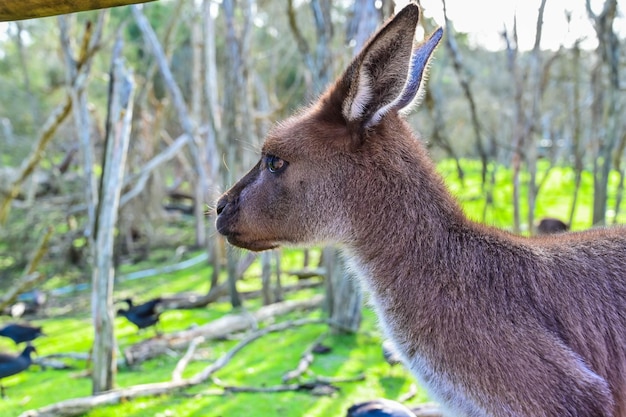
x,y
177,375
305,360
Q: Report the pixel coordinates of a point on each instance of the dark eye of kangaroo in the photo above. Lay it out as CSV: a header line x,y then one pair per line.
x,y
274,164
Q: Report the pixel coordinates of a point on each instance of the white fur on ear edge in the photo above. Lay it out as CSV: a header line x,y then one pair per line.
x,y
356,108
413,87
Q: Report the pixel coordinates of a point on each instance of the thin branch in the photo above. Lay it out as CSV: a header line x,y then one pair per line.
x,y
59,114
46,134
177,375
303,45
305,360
143,176
27,281
30,277
317,386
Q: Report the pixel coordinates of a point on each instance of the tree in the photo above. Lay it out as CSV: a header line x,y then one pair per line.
x,y
114,163
606,109
237,112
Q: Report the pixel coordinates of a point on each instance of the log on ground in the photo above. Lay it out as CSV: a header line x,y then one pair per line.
x,y
216,329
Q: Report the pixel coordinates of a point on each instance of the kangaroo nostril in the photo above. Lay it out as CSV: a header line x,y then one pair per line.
x,y
221,204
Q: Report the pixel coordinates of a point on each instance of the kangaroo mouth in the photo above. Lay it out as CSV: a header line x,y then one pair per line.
x,y
237,239
225,227
252,245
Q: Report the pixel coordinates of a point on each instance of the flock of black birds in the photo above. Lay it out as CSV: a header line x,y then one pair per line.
x,y
14,364
146,315
142,316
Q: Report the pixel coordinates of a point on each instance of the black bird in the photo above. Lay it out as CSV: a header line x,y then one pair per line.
x,y
143,315
11,365
145,309
20,333
379,408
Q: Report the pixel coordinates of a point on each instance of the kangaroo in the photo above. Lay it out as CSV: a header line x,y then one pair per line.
x,y
490,323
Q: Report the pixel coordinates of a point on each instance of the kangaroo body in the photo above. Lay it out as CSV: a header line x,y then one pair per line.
x,y
491,323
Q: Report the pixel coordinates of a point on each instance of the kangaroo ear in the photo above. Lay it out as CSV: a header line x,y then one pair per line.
x,y
387,74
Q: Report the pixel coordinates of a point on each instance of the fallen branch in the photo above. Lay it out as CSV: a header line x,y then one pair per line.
x,y
306,273
145,273
75,356
317,386
219,328
51,363
70,355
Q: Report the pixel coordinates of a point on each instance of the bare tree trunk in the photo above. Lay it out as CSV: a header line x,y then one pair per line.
x,y
266,277
237,115
344,299
210,62
114,160
536,89
232,262
278,289
464,81
605,110
617,163
82,120
576,132
527,95
213,112
34,108
201,186
518,135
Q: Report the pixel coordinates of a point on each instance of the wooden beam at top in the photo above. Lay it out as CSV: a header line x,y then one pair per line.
x,y
28,9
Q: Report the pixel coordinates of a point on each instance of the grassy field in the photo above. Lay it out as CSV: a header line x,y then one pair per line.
x,y
68,328
554,199
261,364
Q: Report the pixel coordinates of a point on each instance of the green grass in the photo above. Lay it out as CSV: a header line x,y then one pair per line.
x,y
555,197
261,364
265,361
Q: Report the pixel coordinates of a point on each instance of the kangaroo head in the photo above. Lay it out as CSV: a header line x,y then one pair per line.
x,y
332,161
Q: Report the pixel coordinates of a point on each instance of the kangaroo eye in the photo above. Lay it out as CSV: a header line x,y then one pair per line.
x,y
274,164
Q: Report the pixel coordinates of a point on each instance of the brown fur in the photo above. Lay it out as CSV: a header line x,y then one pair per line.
x,y
492,324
